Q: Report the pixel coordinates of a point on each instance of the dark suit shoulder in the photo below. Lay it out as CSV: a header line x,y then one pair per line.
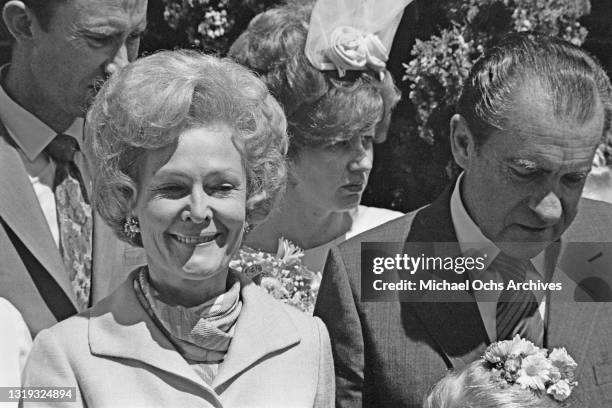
x,y
590,207
593,222
348,253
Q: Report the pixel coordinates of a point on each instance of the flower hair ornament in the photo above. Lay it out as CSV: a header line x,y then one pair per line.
x,y
353,35
520,362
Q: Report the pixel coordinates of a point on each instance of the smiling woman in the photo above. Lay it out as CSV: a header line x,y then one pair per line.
x,y
186,149
191,209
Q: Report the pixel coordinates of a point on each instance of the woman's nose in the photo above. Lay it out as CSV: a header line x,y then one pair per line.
x,y
198,210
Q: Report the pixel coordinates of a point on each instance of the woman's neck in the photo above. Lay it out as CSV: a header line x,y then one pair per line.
x,y
306,225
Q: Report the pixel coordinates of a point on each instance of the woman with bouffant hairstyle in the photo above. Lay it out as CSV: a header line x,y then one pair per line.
x,y
186,150
336,109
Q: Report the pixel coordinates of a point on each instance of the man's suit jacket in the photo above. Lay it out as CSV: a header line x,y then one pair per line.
x,y
22,221
116,356
389,354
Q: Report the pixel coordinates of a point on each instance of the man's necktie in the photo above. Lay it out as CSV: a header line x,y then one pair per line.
x,y
74,216
517,310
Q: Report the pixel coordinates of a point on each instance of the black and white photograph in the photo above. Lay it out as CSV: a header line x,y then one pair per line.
x,y
306,203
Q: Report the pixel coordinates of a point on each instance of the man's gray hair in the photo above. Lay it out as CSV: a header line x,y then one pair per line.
x,y
571,79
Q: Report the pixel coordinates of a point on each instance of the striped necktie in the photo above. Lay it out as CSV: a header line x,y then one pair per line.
x,y
517,310
74,216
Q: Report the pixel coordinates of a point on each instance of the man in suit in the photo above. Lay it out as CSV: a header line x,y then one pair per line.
x,y
56,257
530,117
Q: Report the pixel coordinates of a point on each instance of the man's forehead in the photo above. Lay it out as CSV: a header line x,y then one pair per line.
x,y
534,103
107,11
533,115
562,132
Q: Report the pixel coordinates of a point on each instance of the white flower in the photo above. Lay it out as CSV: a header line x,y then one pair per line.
x,y
501,350
498,351
535,372
523,347
563,361
560,391
287,251
352,49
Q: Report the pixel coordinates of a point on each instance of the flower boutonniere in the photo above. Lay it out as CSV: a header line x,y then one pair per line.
x,y
282,275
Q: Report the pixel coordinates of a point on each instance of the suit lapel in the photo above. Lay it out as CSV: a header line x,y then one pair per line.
x,y
456,327
21,211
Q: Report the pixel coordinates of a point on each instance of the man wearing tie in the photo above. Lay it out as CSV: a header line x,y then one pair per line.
x,y
56,257
529,119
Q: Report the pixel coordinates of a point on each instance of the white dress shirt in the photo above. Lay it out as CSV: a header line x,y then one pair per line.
x,y
472,240
32,136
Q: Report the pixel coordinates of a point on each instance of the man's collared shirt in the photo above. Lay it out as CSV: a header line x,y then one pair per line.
x,y
32,137
472,240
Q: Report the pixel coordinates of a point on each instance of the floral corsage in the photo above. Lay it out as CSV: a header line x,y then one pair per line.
x,y
282,275
519,361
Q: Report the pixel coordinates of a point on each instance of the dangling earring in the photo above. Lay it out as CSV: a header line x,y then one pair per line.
x,y
246,228
131,227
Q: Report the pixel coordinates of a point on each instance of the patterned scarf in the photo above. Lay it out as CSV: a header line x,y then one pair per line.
x,y
202,333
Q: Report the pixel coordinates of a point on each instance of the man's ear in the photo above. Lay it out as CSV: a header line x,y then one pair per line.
x,y
18,19
462,140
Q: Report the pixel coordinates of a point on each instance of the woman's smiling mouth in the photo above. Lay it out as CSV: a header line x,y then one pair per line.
x,y
194,240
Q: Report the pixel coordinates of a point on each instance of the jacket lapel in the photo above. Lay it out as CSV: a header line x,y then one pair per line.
x,y
456,327
263,328
21,211
119,327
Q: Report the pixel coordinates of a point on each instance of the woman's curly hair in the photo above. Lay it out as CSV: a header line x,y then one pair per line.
x,y
146,106
320,106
